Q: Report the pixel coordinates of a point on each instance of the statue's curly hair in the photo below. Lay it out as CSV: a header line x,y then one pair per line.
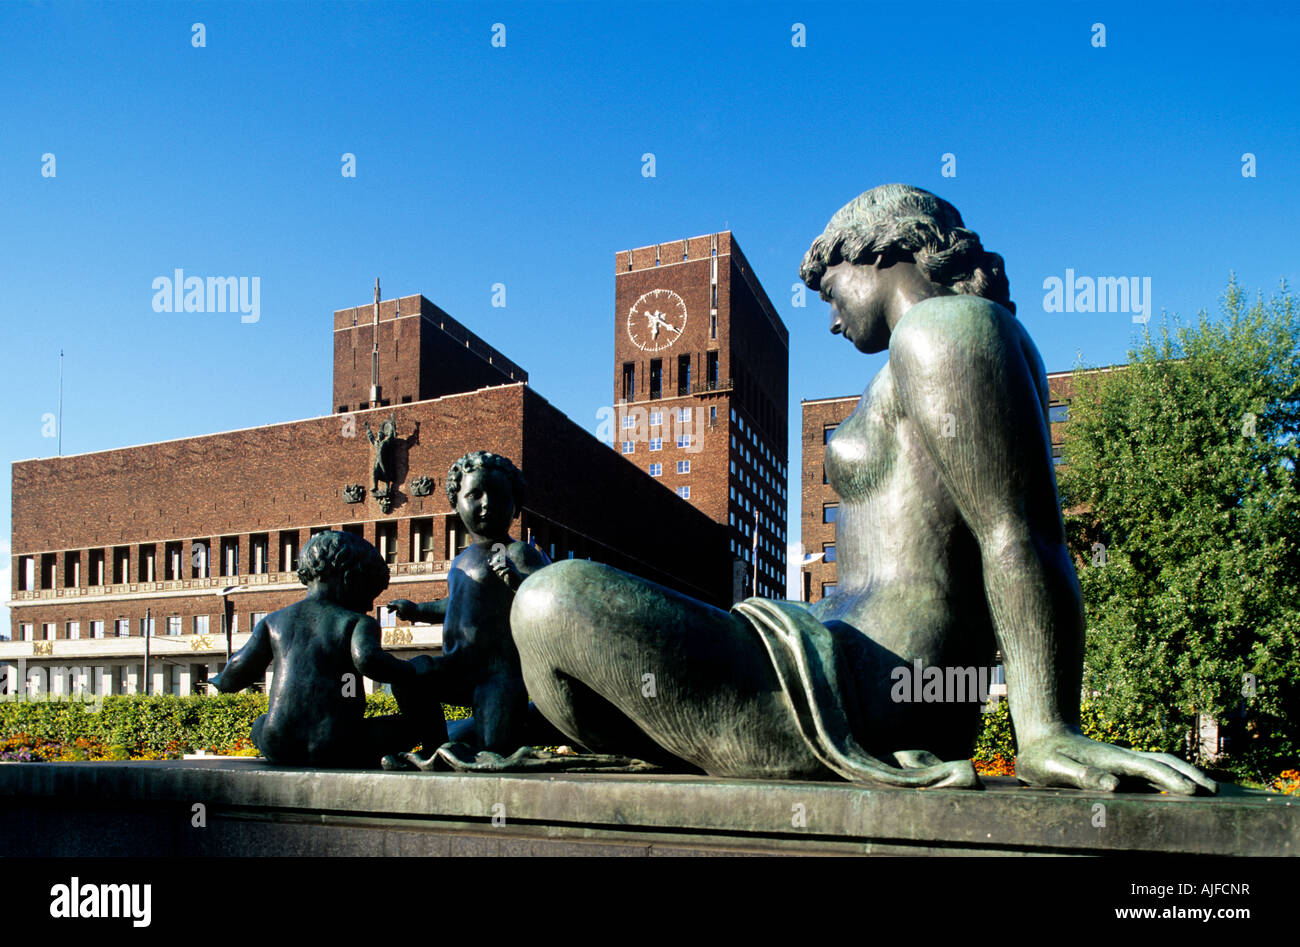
x,y
347,558
484,460
900,222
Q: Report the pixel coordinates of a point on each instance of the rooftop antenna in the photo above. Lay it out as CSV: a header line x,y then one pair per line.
x,y
60,422
374,352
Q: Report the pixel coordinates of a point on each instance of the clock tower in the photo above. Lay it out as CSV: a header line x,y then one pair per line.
x,y
701,388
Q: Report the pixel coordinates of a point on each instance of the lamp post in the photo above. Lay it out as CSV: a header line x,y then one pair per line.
x,y
147,621
227,616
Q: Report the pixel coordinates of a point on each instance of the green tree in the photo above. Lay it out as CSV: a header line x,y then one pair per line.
x,y
1184,514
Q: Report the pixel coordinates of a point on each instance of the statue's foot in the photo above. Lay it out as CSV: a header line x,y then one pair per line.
x,y
915,759
407,762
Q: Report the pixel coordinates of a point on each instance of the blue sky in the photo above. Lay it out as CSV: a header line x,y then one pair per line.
x,y
521,164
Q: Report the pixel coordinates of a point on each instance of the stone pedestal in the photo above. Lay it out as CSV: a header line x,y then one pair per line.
x,y
252,808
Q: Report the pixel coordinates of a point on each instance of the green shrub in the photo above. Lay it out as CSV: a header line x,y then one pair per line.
x,y
160,722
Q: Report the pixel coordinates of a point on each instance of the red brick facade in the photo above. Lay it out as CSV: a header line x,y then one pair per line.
x,y
158,512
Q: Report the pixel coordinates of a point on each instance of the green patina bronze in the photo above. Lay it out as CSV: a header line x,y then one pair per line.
x,y
950,544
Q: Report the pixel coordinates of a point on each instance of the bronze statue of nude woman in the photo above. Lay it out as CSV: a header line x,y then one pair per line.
x,y
950,544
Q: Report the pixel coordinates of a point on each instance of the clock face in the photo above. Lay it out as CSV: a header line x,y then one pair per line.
x,y
656,320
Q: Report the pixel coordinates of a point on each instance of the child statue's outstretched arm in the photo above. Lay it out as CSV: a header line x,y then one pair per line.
x,y
249,663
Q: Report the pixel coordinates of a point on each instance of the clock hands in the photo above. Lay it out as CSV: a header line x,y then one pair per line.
x,y
654,320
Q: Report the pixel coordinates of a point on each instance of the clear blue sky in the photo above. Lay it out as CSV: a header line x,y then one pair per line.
x,y
522,165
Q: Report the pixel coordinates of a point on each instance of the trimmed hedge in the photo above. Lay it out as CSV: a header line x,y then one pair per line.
x,y
159,722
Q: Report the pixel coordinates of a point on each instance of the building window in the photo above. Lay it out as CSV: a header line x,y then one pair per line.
x,y
656,470
49,631
656,417
656,378
49,565
26,632
1058,413
200,624
121,565
147,626
629,381
629,422
656,443
387,619
257,544
173,624
122,627
829,549
683,466
147,563
386,541
422,540
830,512
96,629
825,479
199,559
1057,457
628,447
828,588
713,316
683,374
72,569
26,573
230,556
684,492
289,550
683,440
827,432
255,618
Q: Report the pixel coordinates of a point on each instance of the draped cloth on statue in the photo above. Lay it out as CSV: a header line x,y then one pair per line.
x,y
802,650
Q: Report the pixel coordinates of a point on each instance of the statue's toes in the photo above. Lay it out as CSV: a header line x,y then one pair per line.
x,y
915,759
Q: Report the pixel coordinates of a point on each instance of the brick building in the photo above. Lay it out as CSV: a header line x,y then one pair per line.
x,y
701,383
820,505
203,530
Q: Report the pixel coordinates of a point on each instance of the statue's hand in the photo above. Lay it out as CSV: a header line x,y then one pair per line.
x,y
1072,760
403,608
500,563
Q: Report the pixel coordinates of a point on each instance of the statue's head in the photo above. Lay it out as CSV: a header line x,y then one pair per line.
x,y
347,564
388,429
898,222
485,460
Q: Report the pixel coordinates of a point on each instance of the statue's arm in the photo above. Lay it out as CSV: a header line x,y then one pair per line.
x,y
970,393
966,385
371,659
249,663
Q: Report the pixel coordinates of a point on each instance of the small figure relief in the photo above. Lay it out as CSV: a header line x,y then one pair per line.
x,y
354,493
422,486
384,461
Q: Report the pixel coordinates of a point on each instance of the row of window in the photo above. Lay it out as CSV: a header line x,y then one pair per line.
x,y
684,373
683,467
190,559
657,443
127,627
758,445
681,415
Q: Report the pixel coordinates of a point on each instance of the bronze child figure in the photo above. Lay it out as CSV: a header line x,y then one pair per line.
x,y
479,666
320,649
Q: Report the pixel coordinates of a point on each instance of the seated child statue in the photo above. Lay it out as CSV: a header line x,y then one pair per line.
x,y
319,650
479,666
